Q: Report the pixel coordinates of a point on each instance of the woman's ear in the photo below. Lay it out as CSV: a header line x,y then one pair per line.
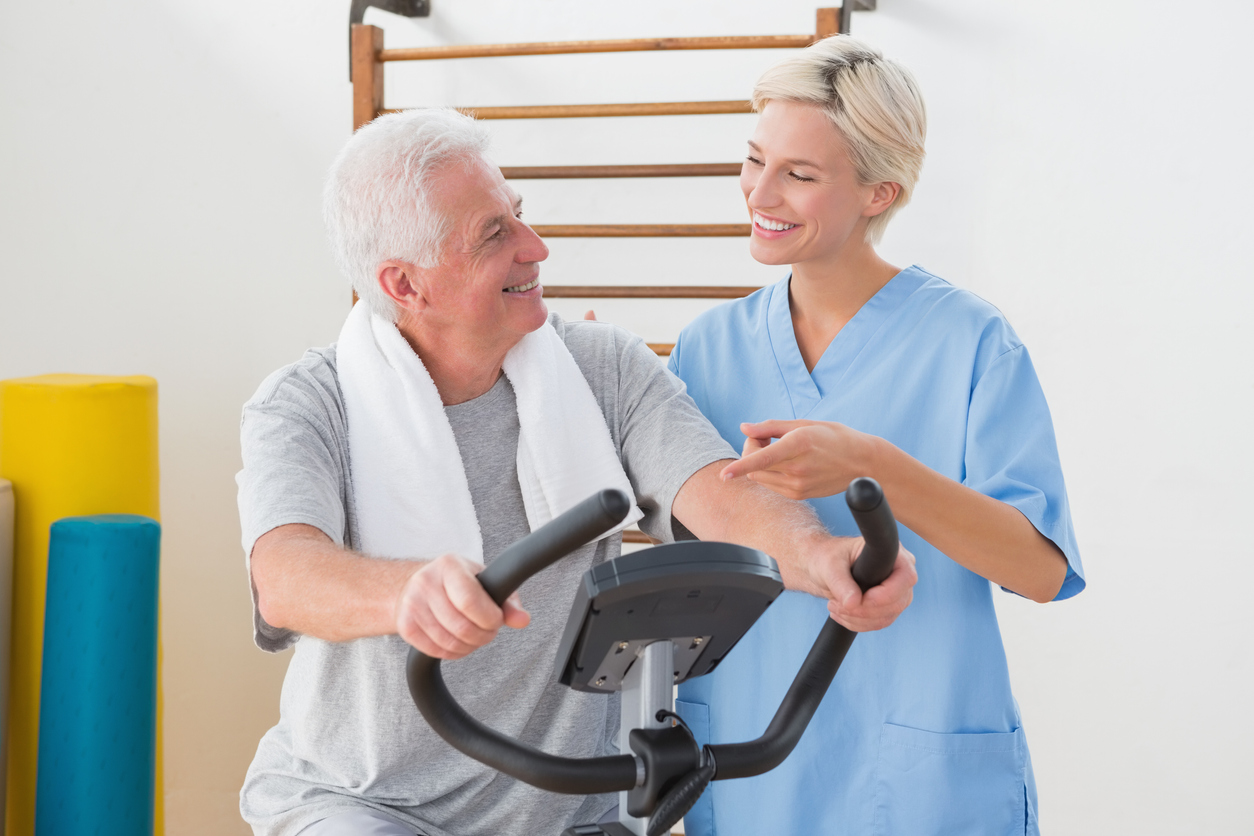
x,y
401,282
881,197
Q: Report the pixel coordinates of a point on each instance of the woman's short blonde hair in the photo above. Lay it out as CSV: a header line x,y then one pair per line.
x,y
874,102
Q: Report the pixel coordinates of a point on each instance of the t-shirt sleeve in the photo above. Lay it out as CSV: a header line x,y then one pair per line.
x,y
665,438
1011,454
291,474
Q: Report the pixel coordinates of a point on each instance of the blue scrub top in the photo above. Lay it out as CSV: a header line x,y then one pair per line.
x,y
919,734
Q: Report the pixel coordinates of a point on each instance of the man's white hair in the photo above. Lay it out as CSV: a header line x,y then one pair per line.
x,y
377,203
873,101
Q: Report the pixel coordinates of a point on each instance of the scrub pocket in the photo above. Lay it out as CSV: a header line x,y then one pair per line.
x,y
699,821
950,784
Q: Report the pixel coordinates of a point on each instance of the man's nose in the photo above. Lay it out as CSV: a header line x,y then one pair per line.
x,y
533,248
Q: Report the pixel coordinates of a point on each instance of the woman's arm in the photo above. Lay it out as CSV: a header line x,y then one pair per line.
x,y
987,536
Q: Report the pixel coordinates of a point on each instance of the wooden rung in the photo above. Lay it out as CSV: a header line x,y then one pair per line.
x,y
630,536
643,230
564,172
645,292
662,349
430,53
593,110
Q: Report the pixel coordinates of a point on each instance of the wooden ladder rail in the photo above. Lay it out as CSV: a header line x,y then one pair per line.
x,y
369,56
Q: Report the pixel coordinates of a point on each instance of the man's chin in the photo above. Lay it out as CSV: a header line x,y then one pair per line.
x,y
541,317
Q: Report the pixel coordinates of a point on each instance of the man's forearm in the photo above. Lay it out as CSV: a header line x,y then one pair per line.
x,y
308,584
740,511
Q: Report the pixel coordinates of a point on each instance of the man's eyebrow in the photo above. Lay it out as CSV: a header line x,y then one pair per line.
x,y
794,161
498,220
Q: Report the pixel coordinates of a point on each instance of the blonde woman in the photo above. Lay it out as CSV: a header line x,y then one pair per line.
x,y
848,367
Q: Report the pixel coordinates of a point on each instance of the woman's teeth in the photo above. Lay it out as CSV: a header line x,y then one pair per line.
x,y
773,225
522,288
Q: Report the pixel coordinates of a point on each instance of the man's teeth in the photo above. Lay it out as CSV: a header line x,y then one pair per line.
x,y
775,225
522,288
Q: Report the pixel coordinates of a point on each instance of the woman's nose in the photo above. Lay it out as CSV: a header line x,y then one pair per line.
x,y
761,198
759,192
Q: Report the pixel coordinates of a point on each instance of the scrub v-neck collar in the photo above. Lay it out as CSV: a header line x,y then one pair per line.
x,y
803,386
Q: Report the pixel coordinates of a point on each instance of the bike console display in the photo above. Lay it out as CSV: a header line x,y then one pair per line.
x,y
701,597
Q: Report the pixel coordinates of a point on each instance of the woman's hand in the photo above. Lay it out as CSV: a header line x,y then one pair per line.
x,y
987,536
810,459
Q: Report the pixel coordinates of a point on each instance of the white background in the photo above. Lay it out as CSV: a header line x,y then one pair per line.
x,y
1089,173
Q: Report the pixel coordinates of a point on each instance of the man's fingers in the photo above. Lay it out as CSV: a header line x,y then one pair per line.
x,y
590,315
469,597
880,605
515,616
423,626
445,612
465,634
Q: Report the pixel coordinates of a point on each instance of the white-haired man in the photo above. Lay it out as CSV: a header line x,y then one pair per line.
x,y
452,417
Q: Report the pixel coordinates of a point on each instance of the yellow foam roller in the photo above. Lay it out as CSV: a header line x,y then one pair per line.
x,y
72,445
6,602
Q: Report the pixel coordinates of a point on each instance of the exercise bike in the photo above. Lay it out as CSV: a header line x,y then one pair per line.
x,y
641,624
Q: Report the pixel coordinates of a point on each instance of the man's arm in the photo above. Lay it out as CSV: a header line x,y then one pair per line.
x,y
810,559
308,584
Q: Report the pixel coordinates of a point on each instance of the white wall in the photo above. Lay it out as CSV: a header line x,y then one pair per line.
x,y
1089,173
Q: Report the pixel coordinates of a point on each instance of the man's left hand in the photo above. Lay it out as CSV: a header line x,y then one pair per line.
x,y
875,609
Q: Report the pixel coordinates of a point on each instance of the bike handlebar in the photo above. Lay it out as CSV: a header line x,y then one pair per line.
x,y
872,567
586,521
546,545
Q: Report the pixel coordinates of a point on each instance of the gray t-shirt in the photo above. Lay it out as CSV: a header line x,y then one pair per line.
x,y
349,735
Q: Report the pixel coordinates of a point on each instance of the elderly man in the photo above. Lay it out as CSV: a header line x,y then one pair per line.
x,y
453,416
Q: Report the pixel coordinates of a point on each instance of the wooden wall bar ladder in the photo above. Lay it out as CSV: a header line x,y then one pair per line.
x,y
369,56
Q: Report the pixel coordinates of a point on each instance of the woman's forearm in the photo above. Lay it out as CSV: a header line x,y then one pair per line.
x,y
987,536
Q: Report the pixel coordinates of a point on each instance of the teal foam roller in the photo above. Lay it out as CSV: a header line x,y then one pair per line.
x,y
98,699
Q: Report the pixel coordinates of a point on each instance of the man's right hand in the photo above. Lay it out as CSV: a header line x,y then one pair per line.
x,y
444,611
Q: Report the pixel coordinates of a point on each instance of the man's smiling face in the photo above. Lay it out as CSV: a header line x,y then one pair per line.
x,y
486,288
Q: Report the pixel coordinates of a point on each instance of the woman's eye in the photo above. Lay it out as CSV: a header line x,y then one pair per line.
x,y
800,178
753,160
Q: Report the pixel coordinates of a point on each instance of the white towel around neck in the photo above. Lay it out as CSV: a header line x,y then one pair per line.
x,y
412,496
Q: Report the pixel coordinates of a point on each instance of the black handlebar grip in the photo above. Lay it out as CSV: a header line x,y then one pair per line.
x,y
551,542
873,566
546,545
875,520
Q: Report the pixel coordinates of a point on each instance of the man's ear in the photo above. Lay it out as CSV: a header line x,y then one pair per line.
x,y
401,281
882,196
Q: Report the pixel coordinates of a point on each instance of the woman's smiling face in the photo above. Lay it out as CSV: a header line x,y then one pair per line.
x,y
803,195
